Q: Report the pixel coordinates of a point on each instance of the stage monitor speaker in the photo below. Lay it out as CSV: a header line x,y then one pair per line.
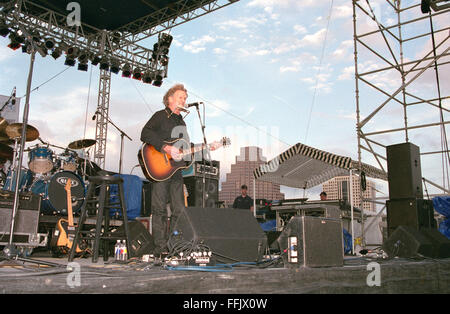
x,y
26,222
141,241
440,243
412,212
194,186
232,235
408,242
404,171
312,242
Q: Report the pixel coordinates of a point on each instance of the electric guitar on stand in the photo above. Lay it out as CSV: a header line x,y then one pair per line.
x,y
160,166
65,227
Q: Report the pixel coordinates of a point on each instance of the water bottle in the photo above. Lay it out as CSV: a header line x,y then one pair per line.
x,y
117,250
125,252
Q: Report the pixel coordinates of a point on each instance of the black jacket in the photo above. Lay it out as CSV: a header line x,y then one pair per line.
x,y
163,126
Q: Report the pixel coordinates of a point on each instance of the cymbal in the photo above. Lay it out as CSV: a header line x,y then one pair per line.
x,y
80,144
6,152
3,125
15,131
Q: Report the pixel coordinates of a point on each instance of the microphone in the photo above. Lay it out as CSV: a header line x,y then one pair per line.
x,y
182,109
13,98
196,104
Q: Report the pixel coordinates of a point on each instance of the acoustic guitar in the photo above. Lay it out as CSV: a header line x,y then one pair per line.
x,y
160,166
66,228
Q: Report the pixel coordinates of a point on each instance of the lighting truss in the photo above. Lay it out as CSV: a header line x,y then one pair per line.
x,y
166,18
50,24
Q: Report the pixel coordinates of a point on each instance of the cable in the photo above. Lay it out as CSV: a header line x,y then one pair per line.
x,y
140,94
87,104
235,116
318,72
53,77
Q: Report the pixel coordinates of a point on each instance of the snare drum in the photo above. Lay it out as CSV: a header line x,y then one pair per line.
x,y
68,161
54,195
40,160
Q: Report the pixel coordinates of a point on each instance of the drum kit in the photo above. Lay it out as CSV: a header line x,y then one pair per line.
x,y
47,172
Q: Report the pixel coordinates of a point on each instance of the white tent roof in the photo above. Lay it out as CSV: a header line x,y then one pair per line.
x,y
302,166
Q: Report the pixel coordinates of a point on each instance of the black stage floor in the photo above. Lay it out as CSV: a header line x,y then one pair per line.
x,y
396,276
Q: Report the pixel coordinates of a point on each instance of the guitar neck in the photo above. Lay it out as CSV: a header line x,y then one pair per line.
x,y
194,149
69,204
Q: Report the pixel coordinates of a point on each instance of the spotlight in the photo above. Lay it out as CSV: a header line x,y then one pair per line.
x,y
82,66
69,61
4,30
56,53
36,37
165,40
49,43
147,78
83,57
95,59
158,80
137,74
26,48
72,52
115,67
164,60
104,64
126,70
16,41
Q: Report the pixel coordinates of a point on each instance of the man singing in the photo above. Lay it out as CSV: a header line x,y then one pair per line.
x,y
164,126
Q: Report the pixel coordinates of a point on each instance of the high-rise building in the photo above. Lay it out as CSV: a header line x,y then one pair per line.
x,y
338,188
242,173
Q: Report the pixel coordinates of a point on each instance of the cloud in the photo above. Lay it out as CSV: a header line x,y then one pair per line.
x,y
219,51
199,44
347,73
300,29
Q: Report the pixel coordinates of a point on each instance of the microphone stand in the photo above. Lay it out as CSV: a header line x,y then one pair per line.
x,y
122,134
10,250
7,102
202,124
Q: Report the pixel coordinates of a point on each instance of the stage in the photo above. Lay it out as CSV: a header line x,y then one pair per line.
x,y
397,276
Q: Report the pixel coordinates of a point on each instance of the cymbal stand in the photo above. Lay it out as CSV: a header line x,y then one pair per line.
x,y
13,167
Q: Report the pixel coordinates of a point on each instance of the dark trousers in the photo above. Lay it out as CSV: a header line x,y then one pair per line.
x,y
171,191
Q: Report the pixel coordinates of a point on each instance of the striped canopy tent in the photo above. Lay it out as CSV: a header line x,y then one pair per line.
x,y
304,167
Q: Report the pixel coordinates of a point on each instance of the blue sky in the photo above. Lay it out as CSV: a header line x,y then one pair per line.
x,y
265,69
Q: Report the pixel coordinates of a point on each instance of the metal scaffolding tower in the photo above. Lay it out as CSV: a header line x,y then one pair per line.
x,y
401,75
102,114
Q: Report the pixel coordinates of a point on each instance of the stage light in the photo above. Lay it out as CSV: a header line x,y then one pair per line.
x,y
95,59
56,53
26,48
115,66
158,80
16,41
36,37
83,57
72,52
137,74
126,70
104,64
165,40
69,61
164,60
49,43
83,66
147,78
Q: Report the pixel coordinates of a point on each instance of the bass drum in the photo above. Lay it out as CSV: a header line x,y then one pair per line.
x,y
54,195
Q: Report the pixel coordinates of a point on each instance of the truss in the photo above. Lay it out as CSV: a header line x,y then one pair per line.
x,y
402,91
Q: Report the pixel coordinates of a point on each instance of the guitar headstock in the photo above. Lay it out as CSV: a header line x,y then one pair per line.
x,y
68,185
